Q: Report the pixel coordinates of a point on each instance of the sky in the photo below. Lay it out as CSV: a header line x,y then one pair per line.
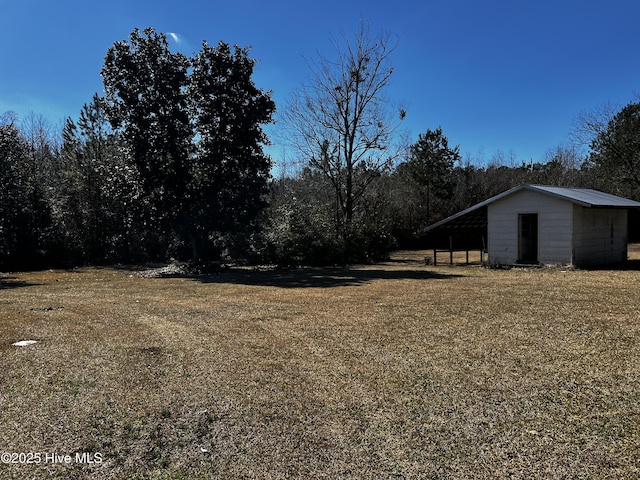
x,y
501,77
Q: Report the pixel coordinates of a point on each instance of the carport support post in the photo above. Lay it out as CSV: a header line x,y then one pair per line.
x,y
450,250
435,254
484,248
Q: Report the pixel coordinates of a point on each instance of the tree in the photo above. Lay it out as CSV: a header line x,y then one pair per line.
x,y
232,171
24,213
13,195
145,86
192,127
42,140
591,123
98,189
561,168
343,124
297,221
615,151
431,164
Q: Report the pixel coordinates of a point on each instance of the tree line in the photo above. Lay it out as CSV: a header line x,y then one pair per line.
x,y
169,164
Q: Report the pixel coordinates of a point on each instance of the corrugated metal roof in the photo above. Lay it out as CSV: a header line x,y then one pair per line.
x,y
582,196
586,196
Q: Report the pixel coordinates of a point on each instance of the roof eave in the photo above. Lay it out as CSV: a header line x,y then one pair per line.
x,y
472,208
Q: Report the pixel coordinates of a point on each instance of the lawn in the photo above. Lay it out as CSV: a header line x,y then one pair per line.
x,y
393,370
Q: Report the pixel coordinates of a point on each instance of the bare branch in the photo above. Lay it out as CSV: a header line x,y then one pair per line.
x,y
342,122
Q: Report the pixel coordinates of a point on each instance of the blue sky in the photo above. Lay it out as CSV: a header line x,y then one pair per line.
x,y
498,75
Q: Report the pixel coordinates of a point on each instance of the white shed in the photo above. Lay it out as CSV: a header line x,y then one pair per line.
x,y
535,224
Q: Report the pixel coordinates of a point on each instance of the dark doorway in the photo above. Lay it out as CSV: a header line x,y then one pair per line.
x,y
528,238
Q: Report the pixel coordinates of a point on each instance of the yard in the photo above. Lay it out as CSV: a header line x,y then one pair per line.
x,y
393,370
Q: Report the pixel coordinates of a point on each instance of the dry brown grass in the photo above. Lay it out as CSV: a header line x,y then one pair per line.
x,y
397,370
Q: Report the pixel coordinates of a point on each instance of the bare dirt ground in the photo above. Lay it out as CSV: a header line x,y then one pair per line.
x,y
394,370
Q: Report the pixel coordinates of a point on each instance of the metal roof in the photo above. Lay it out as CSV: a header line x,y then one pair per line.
x,y
586,197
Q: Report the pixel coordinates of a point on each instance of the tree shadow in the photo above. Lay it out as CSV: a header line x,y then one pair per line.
x,y
628,265
7,283
317,277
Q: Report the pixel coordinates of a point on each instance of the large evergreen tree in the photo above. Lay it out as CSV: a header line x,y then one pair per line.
x,y
232,171
192,128
145,86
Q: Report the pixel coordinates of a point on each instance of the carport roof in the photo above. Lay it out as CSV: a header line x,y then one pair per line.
x,y
476,216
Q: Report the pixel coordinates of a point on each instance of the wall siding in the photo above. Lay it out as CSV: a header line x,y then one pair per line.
x,y
555,221
600,235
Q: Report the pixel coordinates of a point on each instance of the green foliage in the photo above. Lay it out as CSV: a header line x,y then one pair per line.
x,y
230,172
615,154
301,229
431,165
168,163
299,234
14,196
194,136
145,98
298,228
25,222
100,198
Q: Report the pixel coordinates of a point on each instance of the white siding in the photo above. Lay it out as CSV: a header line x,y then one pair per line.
x,y
555,221
600,235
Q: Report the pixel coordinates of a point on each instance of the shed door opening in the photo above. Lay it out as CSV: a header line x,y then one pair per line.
x,y
528,238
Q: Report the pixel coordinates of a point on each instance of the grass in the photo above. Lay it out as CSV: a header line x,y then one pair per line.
x,y
395,370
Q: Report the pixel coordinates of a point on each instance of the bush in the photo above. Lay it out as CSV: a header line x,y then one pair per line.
x,y
300,234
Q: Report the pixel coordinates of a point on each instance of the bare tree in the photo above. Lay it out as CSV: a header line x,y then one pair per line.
x,y
588,124
342,123
562,166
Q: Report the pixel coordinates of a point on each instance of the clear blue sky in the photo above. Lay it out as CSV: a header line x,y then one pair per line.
x,y
497,75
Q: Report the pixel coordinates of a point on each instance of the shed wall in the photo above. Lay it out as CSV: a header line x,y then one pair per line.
x,y
600,235
555,222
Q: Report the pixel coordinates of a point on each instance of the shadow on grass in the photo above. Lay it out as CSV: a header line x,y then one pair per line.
x,y
628,265
7,283
316,277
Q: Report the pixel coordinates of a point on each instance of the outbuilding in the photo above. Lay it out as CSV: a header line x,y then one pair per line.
x,y
536,224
